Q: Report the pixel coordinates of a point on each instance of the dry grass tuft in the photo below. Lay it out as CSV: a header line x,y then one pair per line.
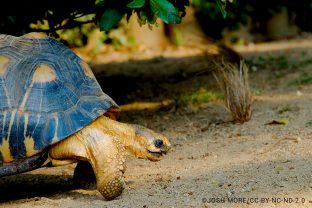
x,y
233,80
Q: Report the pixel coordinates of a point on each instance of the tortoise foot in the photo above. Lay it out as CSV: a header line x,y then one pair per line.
x,y
111,188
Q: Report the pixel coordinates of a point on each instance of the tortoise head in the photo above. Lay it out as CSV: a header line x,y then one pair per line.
x,y
148,144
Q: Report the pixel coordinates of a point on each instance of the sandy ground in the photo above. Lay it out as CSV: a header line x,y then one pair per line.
x,y
213,162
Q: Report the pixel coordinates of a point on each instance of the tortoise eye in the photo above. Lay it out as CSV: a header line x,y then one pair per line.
x,y
158,143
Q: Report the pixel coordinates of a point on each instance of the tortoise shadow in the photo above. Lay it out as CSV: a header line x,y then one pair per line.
x,y
27,185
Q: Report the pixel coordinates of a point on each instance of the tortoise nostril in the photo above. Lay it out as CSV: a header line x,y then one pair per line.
x,y
158,143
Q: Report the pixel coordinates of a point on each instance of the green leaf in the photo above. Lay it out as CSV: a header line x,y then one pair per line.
x,y
309,123
110,18
136,4
165,11
222,8
141,18
100,2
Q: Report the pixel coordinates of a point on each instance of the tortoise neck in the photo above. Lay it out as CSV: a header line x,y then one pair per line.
x,y
115,128
124,133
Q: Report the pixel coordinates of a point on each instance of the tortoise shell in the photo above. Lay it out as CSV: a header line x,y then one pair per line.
x,y
46,94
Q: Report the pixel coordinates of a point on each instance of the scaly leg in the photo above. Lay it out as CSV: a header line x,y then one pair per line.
x,y
104,152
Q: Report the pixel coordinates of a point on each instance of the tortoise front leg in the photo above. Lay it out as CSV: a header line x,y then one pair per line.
x,y
102,151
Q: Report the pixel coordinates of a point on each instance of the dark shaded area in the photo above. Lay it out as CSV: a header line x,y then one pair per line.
x,y
84,176
124,89
27,185
16,16
160,78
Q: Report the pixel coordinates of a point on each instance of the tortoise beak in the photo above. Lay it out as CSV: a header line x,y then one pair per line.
x,y
158,154
164,149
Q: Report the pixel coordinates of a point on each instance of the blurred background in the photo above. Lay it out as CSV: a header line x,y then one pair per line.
x,y
235,22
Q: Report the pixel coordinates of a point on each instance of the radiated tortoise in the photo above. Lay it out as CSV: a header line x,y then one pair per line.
x,y
53,111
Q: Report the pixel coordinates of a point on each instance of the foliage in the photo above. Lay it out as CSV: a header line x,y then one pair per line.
x,y
304,79
309,123
16,17
199,96
240,12
279,63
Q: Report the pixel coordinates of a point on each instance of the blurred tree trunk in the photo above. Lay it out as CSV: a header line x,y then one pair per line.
x,y
188,33
281,25
146,37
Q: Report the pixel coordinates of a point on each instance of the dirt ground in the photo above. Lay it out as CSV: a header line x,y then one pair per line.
x,y
213,161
